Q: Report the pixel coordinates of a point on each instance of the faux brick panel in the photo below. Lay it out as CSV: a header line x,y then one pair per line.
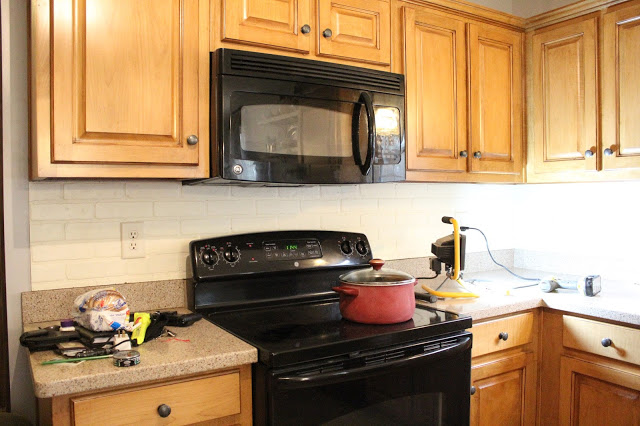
x,y
124,210
99,191
61,211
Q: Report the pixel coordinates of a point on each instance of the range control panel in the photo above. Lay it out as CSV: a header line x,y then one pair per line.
x,y
280,251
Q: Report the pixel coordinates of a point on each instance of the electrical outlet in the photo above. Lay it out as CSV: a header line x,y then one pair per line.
x,y
132,239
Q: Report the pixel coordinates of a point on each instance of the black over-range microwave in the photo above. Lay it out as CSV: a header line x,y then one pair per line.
x,y
281,120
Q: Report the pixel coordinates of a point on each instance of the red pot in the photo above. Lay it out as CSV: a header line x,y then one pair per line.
x,y
376,296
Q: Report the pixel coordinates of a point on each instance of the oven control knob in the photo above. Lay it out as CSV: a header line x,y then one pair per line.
x,y
209,257
361,248
345,246
231,254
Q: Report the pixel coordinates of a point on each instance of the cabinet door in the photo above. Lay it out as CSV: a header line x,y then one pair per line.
x,y
436,96
124,81
621,88
355,29
505,391
495,58
592,394
565,108
274,23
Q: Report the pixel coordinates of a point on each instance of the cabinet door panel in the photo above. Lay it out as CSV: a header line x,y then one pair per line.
x,y
621,88
360,30
436,91
592,394
505,391
496,99
274,23
564,84
124,90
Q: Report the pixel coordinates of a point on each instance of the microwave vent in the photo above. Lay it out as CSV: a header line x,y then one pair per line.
x,y
237,62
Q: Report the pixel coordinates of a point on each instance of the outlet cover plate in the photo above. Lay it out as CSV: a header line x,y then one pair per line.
x,y
132,239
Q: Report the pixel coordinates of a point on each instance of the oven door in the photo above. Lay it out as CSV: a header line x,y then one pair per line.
x,y
301,133
424,383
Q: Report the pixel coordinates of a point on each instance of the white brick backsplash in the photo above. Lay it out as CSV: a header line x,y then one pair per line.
x,y
41,191
320,206
395,204
339,192
92,231
153,190
300,193
359,205
61,211
124,210
253,192
299,222
94,191
271,207
341,222
167,245
49,271
160,263
241,225
378,190
179,208
161,228
206,192
231,207
412,190
40,232
62,251
212,226
377,220
95,269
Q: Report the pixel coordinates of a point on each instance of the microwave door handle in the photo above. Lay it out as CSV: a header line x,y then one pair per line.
x,y
371,135
355,135
293,382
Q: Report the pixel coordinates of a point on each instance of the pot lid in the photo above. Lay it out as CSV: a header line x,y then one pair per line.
x,y
377,276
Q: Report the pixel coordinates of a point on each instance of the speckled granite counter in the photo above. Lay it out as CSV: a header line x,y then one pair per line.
x,y
202,347
618,301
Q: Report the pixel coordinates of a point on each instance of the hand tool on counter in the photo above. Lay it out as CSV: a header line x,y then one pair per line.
x,y
587,286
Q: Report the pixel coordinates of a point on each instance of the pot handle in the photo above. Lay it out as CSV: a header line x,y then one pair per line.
x,y
353,292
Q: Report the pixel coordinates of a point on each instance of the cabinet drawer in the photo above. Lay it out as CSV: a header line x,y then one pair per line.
x,y
190,401
517,329
588,335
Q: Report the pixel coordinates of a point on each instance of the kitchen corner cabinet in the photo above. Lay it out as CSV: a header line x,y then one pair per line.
x,y
504,371
217,398
346,31
119,89
464,98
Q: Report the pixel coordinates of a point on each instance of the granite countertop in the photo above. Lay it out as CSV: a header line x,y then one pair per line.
x,y
617,301
199,348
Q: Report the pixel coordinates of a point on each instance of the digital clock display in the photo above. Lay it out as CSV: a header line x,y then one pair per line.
x,y
291,247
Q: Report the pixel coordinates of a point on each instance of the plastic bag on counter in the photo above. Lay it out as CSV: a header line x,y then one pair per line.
x,y
101,310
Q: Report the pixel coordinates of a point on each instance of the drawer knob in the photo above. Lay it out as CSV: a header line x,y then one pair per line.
x,y
477,154
606,342
473,390
327,33
464,154
192,140
588,153
164,410
503,336
306,29
608,152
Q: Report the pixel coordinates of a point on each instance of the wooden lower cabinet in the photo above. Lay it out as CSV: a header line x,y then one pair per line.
x,y
218,398
598,394
505,391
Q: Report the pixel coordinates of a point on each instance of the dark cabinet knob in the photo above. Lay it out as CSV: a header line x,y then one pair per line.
x,y
588,153
473,390
192,140
503,336
164,410
464,154
306,29
608,151
606,342
327,33
477,154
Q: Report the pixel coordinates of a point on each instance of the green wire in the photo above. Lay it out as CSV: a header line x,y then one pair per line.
x,y
59,361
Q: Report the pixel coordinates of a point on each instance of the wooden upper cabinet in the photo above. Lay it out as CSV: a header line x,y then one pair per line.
x,y
355,29
495,56
621,88
275,23
436,92
119,83
565,96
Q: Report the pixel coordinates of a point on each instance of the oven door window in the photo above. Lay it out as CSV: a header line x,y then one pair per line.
x,y
432,392
302,134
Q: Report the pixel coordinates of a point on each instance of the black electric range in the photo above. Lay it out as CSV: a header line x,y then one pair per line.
x,y
273,290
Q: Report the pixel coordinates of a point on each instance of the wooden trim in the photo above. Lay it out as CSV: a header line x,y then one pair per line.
x,y
564,13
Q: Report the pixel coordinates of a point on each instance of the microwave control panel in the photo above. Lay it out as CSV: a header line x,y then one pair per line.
x,y
281,251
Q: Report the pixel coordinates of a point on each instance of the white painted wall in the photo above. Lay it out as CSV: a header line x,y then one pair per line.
x,y
528,8
16,197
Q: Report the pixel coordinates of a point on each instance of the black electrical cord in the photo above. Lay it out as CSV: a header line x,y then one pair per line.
x,y
464,228
428,278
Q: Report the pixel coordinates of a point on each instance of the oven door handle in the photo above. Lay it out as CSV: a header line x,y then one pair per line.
x,y
365,99
294,382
